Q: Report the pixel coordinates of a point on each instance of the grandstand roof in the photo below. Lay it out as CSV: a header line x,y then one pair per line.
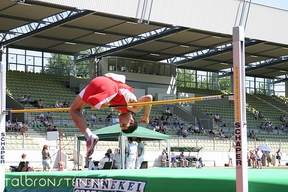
x,y
62,29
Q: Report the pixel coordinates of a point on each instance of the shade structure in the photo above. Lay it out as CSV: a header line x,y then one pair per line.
x,y
264,148
112,133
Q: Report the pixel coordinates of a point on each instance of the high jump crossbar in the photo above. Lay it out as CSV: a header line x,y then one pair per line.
x,y
205,98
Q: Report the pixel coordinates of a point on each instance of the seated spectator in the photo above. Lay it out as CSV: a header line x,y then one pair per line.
x,y
173,159
14,126
282,118
255,115
167,112
252,135
184,132
108,119
23,128
163,128
61,105
61,166
49,117
262,126
40,104
197,129
94,119
191,129
49,128
57,105
176,122
164,158
179,132
222,135
8,126
157,128
213,135
24,99
23,159
54,128
202,130
29,99
105,159
269,126
183,159
217,118
93,164
260,115
34,123
65,104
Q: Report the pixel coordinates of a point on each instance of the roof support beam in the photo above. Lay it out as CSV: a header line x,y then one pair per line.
x,y
133,41
31,29
261,64
198,55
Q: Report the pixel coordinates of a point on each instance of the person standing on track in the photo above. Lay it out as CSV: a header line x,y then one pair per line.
x,y
109,89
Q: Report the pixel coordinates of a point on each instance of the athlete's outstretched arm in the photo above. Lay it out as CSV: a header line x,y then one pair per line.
x,y
76,114
147,108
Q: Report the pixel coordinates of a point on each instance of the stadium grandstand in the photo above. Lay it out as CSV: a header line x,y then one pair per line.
x,y
51,50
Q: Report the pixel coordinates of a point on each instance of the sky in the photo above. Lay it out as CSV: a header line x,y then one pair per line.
x,y
283,4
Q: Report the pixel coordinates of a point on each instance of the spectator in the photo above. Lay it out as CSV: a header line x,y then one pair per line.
x,y
164,158
157,127
34,123
108,119
183,159
164,128
255,115
202,129
49,117
23,159
54,128
111,154
40,104
278,156
191,129
269,159
176,122
230,163
140,153
253,161
197,129
222,134
117,159
173,159
131,154
282,118
29,99
94,119
61,166
167,112
258,154
8,126
49,128
65,104
45,158
217,118
24,99
93,165
260,115
105,159
23,128
253,136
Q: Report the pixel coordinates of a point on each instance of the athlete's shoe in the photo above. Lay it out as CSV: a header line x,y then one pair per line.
x,y
91,144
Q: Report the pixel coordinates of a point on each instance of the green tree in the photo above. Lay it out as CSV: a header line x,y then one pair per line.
x,y
225,84
185,77
59,64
